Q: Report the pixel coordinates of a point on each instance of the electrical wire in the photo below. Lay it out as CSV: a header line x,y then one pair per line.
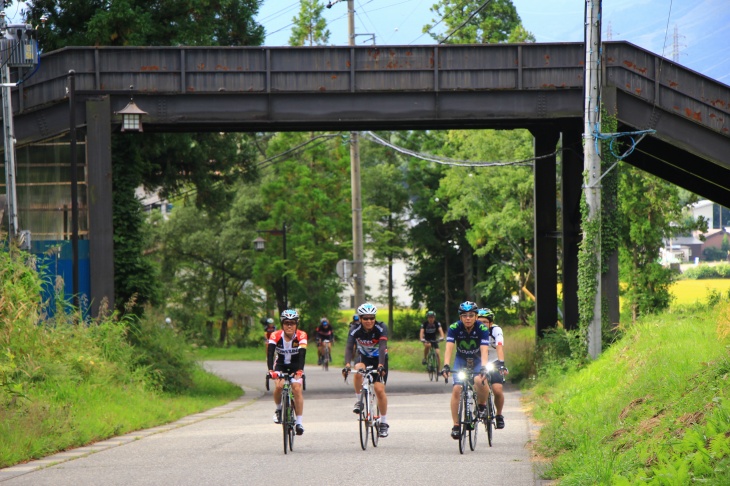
x,y
452,162
465,22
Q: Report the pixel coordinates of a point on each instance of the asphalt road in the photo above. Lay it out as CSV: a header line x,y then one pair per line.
x,y
239,444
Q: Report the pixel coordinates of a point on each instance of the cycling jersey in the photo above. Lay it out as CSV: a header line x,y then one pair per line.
x,y
431,331
468,343
287,353
324,333
496,338
370,344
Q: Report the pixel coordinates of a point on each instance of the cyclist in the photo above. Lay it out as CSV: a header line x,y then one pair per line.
x,y
286,353
496,341
371,339
324,337
429,331
471,340
269,327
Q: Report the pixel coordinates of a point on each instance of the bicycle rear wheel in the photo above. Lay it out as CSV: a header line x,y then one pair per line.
x,y
463,426
431,366
364,429
491,414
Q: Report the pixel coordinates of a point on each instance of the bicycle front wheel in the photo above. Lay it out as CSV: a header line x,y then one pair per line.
x,y
474,425
374,420
285,423
431,367
463,425
364,428
326,361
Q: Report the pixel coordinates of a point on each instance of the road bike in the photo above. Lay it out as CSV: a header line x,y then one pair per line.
x,y
490,417
326,357
369,418
468,413
288,409
432,362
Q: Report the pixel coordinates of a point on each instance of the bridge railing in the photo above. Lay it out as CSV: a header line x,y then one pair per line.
x,y
368,69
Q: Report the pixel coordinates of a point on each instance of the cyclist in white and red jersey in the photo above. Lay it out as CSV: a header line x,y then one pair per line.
x,y
286,352
496,377
371,338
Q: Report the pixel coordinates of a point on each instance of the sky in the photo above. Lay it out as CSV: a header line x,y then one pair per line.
x,y
703,26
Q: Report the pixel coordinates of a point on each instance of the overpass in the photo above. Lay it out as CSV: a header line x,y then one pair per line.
x,y
500,86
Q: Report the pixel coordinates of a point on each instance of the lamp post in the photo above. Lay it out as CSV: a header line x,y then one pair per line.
x,y
259,244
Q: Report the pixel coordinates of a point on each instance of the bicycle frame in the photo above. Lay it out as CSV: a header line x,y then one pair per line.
x,y
468,414
369,418
288,409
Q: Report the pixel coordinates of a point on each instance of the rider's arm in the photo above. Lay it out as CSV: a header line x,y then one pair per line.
x,y
484,348
270,355
441,331
302,354
348,349
382,350
421,334
448,351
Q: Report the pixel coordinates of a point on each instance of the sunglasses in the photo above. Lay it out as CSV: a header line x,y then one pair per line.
x,y
363,318
289,323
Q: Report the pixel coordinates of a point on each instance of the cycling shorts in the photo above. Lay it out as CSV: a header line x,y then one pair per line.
x,y
374,363
434,342
288,368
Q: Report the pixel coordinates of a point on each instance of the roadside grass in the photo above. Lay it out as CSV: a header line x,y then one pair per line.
x,y
65,413
654,408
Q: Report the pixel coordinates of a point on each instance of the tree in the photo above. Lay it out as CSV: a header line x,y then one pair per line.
x,y
650,210
385,202
309,190
310,28
209,161
497,202
478,22
207,259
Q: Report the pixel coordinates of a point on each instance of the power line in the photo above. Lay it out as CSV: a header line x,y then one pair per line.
x,y
452,162
466,21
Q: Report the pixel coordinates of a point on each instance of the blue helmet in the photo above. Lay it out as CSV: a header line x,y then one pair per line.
x,y
355,318
324,322
486,312
367,309
467,306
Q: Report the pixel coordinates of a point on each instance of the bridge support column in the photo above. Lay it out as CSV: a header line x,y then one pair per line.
x,y
571,176
546,247
101,230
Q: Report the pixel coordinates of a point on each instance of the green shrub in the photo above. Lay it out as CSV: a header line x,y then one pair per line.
x,y
704,271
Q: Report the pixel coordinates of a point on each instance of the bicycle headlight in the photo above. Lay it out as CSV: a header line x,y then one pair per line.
x,y
462,375
490,366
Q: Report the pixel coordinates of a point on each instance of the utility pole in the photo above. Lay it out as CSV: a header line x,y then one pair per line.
x,y
358,264
592,155
18,48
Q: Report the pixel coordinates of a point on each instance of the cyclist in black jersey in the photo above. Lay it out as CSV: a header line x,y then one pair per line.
x,y
371,339
325,336
430,333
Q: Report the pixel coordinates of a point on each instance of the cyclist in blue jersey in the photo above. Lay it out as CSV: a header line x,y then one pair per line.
x,y
371,338
471,341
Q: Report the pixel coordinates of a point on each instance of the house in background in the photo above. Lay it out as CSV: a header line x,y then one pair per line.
x,y
715,233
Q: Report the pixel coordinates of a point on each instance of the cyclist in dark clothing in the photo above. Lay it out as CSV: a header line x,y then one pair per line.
x,y
325,336
430,335
371,339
